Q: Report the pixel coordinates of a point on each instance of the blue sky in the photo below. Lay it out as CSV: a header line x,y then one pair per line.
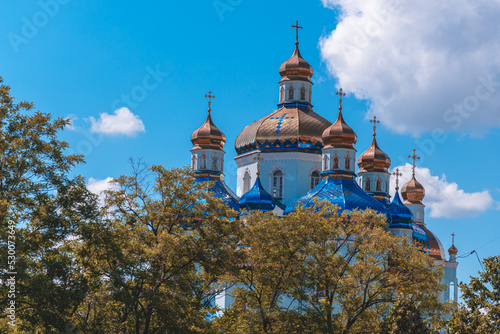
x,y
429,72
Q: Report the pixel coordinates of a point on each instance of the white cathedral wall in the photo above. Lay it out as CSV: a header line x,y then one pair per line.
x,y
295,166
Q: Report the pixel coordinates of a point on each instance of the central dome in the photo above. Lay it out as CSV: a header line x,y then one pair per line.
x,y
288,128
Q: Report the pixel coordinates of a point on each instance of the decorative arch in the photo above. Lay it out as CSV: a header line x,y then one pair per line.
x,y
290,92
193,162
314,178
378,184
387,185
215,162
367,184
282,94
247,179
203,161
335,163
347,161
325,162
276,181
303,93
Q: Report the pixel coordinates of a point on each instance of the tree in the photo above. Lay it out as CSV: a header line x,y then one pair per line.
x,y
331,273
481,311
156,257
405,318
43,206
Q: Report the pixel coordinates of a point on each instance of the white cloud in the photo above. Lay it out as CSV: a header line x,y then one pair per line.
x,y
122,122
99,187
423,64
443,198
71,125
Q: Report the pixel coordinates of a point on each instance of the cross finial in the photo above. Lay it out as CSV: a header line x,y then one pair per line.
x,y
453,238
210,97
397,174
297,27
375,122
340,93
259,159
414,157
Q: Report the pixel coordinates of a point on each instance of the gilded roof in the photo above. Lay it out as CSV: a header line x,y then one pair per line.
x,y
413,192
434,247
208,136
287,128
339,134
296,67
374,159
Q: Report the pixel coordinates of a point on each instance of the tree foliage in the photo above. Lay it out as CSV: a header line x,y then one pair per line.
x,y
481,311
405,318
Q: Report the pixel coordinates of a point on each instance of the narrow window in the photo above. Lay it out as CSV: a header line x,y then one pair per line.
x,y
325,162
246,182
347,162
290,93
278,184
215,162
303,93
367,184
378,186
203,161
193,162
310,93
314,179
335,162
282,94
387,186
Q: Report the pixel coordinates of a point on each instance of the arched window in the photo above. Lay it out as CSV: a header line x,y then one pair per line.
x,y
290,92
347,163
303,93
386,186
193,162
215,162
246,182
314,179
282,94
310,93
452,291
335,162
278,184
378,185
367,184
325,162
203,161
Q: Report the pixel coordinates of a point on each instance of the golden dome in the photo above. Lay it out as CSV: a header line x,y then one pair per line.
x,y
434,247
296,68
339,134
374,159
413,192
208,136
453,251
285,129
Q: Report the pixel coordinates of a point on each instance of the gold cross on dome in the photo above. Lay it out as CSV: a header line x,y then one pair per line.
x,y
414,157
297,27
210,97
397,174
375,122
340,93
259,159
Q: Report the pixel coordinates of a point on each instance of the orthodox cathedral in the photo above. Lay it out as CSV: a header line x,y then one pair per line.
x,y
294,156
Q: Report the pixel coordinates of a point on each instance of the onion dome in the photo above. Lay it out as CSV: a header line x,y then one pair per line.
x,y
413,192
374,159
208,136
419,234
401,216
434,247
257,198
453,251
296,68
339,134
343,192
296,128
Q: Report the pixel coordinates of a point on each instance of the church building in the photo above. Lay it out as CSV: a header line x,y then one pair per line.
x,y
294,155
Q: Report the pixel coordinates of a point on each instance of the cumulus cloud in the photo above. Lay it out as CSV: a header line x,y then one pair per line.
x,y
443,198
122,122
99,187
423,65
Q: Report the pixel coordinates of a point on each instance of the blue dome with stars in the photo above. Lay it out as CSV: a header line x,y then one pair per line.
x,y
343,192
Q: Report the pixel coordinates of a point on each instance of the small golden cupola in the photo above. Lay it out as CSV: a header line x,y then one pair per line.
x,y
413,192
452,251
339,134
374,169
208,136
296,68
207,154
